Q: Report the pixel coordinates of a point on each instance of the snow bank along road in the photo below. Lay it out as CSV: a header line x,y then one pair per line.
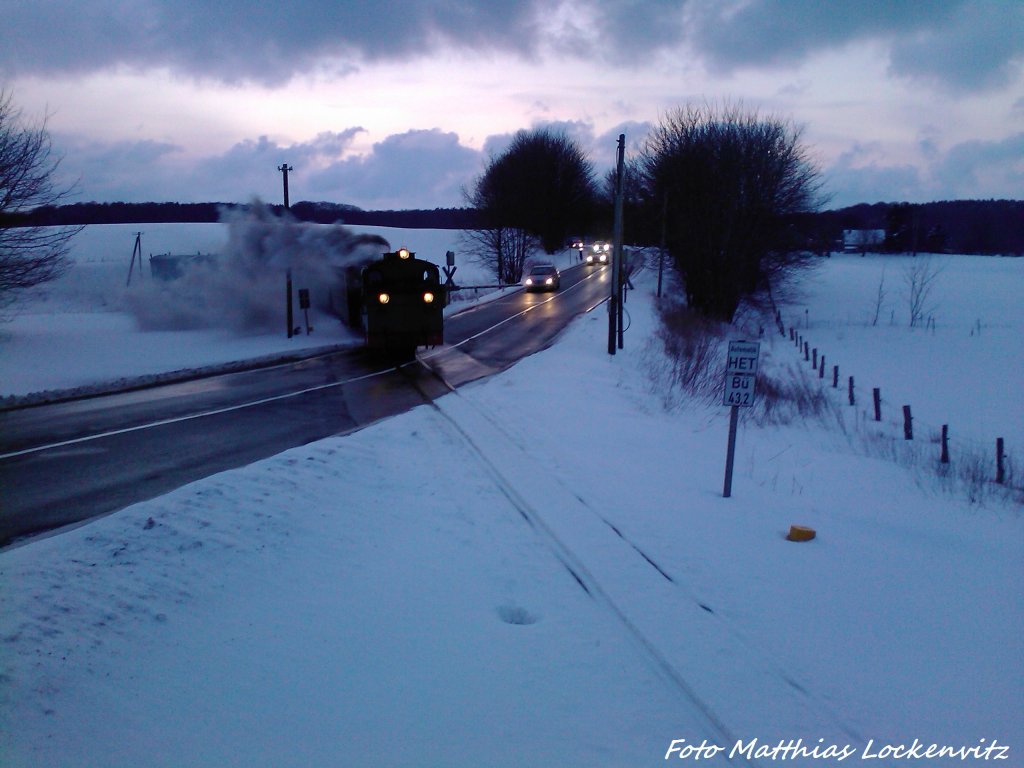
x,y
68,462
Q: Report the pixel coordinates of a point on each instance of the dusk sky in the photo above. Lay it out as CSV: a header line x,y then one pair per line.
x,y
397,104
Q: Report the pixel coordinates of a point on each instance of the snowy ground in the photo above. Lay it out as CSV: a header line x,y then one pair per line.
x,y
539,571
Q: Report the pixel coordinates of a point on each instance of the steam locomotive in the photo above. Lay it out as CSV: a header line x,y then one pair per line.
x,y
402,300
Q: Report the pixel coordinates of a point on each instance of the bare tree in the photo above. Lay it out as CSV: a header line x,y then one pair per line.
x,y
865,240
879,298
919,279
536,192
501,250
736,185
28,255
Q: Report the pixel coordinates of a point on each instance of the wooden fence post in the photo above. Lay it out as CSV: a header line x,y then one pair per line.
x,y
821,369
852,401
944,459
876,394
908,424
807,351
1000,468
835,377
814,364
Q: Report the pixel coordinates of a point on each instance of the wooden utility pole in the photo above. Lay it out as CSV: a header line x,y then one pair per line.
x,y
615,300
284,171
288,274
137,249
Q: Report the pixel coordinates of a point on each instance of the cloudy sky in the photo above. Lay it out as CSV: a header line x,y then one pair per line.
x,y
398,103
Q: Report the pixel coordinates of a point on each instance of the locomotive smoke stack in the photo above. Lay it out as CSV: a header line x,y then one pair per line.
x,y
240,289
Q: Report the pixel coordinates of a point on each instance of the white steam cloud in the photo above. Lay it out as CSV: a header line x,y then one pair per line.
x,y
243,288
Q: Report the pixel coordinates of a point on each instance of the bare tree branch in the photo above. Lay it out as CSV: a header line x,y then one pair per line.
x,y
28,255
919,278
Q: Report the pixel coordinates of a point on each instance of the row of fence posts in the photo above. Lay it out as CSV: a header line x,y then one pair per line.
x,y
818,363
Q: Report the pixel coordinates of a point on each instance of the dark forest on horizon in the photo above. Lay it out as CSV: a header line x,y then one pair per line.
x,y
987,227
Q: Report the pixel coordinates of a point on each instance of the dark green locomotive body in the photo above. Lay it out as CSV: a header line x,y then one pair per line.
x,y
403,302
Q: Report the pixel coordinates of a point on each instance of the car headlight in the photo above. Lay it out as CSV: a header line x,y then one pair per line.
x,y
590,258
529,281
549,281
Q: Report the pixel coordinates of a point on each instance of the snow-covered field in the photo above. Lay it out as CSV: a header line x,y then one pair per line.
x,y
84,316
963,369
541,571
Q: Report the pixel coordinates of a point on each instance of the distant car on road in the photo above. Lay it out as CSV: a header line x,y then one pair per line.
x,y
600,253
543,277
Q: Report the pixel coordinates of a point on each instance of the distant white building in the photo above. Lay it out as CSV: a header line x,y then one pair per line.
x,y
863,240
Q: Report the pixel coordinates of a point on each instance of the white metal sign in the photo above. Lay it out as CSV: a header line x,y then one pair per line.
x,y
741,372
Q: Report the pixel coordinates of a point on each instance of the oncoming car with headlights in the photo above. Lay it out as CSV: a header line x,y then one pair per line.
x,y
543,277
599,253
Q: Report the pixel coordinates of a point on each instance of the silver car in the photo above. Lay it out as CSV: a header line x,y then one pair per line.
x,y
543,277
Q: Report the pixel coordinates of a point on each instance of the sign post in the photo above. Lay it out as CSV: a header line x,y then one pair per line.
x,y
304,306
449,270
740,378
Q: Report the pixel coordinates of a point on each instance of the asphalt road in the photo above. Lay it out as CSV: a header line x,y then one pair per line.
x,y
69,462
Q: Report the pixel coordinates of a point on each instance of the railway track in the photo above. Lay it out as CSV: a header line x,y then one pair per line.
x,y
672,626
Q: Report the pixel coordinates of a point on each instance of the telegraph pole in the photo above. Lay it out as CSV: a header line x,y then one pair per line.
x,y
288,274
615,300
284,171
137,249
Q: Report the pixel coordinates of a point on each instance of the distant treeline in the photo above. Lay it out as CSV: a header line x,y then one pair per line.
x,y
951,226
954,226
198,213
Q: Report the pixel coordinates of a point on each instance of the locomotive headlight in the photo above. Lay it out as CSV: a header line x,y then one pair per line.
x,y
428,297
383,298
403,253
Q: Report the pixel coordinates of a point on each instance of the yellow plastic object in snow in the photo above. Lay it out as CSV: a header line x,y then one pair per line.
x,y
801,533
